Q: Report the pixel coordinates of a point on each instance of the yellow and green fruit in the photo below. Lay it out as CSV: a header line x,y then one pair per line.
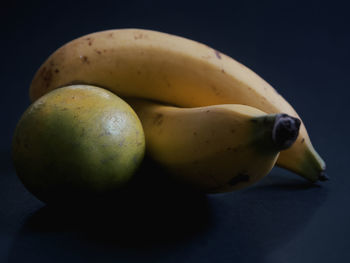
x,y
76,142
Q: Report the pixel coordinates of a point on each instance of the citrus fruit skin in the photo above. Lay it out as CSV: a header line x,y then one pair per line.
x,y
76,142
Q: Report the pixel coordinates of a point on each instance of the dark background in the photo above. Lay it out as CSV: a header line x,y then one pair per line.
x,y
300,47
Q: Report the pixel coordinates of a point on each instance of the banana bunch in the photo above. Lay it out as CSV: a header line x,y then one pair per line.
x,y
210,120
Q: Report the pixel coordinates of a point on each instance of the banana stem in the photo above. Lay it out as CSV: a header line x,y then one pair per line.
x,y
285,131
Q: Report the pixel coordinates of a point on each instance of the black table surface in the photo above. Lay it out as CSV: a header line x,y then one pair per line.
x,y
300,47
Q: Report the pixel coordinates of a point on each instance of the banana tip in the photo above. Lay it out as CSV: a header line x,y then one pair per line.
x,y
323,176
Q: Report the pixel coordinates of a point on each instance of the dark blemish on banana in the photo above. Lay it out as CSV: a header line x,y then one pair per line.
x,y
302,140
232,130
138,72
158,120
239,178
105,50
85,59
217,54
110,35
46,76
89,39
42,72
57,70
223,71
207,111
206,141
98,51
195,133
138,36
215,89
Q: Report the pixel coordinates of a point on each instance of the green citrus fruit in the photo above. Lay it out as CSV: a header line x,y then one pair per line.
x,y
76,142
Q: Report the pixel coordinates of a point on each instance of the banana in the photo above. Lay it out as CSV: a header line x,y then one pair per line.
x,y
216,148
173,70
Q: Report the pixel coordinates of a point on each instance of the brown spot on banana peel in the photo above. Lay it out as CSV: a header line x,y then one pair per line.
x,y
140,35
89,40
98,51
217,54
215,90
158,119
46,75
84,59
